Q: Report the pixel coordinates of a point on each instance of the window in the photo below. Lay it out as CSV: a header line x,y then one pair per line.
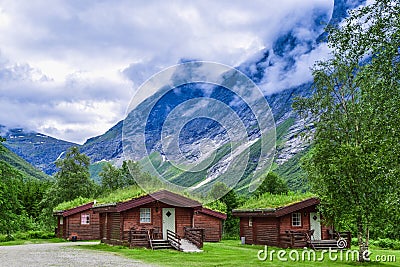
x,y
145,215
250,221
296,219
85,219
61,220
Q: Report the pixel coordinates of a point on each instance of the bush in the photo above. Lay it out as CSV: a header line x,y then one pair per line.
x,y
30,235
387,243
5,238
227,236
22,235
381,242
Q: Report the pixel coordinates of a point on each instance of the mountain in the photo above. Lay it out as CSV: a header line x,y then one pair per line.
x,y
283,54
38,149
26,169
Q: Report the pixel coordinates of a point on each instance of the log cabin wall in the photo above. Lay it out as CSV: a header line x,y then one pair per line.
x,y
286,221
246,231
103,225
183,218
212,226
131,218
73,226
60,228
114,226
266,231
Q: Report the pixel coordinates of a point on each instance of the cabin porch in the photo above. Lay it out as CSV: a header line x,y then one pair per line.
x,y
301,239
192,240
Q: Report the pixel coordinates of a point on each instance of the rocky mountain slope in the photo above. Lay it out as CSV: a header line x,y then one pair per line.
x,y
42,151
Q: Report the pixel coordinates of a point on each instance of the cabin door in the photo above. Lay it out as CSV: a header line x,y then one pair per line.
x,y
168,220
315,224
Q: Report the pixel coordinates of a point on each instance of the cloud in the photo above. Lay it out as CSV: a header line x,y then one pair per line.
x,y
69,68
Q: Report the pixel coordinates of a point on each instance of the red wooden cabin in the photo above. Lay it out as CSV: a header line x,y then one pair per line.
x,y
294,225
154,214
211,221
79,223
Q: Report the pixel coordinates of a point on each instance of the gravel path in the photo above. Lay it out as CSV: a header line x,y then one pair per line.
x,y
61,254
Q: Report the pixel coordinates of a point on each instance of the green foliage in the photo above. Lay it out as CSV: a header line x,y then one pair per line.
x,y
386,243
231,200
268,200
27,170
121,195
19,200
273,184
72,204
10,205
354,163
292,173
95,169
27,236
73,178
217,205
111,177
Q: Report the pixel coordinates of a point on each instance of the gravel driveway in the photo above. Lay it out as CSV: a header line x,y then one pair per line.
x,y
61,254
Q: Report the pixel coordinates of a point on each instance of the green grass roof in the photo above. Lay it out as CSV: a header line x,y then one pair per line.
x,y
116,196
121,195
271,201
72,204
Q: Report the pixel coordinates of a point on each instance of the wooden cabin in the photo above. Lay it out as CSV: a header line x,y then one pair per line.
x,y
79,223
294,225
154,217
211,221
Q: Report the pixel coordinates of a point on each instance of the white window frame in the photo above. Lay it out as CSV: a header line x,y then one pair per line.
x,y
145,215
85,219
296,219
61,220
250,221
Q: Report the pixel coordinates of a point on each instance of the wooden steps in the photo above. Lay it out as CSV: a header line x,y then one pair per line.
x,y
325,244
160,244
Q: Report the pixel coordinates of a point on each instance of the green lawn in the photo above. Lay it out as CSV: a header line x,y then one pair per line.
x,y
230,253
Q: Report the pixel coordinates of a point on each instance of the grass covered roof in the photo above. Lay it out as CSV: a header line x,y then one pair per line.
x,y
271,201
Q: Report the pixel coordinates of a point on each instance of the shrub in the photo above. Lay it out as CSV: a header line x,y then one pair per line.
x,y
387,243
381,242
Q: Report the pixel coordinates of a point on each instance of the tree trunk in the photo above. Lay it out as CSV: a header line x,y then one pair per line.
x,y
366,256
360,240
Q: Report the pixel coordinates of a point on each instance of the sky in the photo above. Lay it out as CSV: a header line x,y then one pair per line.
x,y
69,68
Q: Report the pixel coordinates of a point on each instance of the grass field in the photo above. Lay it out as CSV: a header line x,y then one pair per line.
x,y
232,253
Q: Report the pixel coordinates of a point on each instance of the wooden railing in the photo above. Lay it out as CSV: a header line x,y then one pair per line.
x,y
195,235
344,235
294,239
150,239
174,239
139,237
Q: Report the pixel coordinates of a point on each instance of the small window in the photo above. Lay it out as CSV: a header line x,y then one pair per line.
x,y
145,215
296,219
85,219
250,221
61,220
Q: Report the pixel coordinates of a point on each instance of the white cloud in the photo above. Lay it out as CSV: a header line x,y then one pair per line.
x,y
64,64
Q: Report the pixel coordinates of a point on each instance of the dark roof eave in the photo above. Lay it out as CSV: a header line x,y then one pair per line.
x,y
163,196
278,212
78,209
213,213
